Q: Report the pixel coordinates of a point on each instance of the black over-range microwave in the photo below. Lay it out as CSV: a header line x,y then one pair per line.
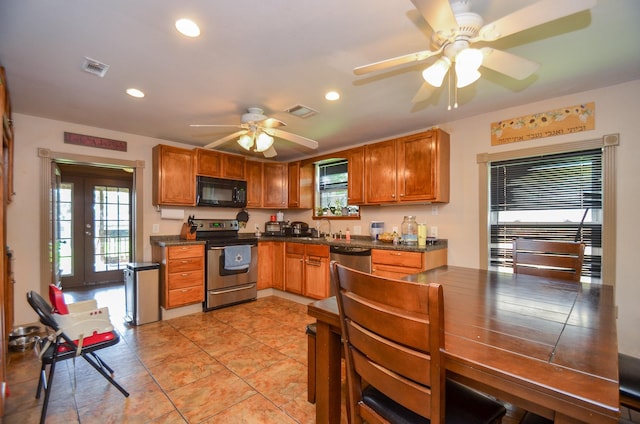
x,y
221,192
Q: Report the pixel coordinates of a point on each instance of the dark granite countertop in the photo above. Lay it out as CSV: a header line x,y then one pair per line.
x,y
356,241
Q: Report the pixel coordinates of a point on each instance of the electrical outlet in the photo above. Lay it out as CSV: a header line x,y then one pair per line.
x,y
155,229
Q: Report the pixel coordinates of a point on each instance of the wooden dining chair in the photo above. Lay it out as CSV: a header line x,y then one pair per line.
x,y
393,336
546,258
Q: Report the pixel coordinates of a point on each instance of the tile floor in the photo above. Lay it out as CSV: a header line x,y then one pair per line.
x,y
242,364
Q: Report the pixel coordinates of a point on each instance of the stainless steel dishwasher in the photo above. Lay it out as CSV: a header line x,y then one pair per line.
x,y
351,256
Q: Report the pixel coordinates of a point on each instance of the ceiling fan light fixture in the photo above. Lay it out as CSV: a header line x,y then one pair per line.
x,y
469,59
246,141
263,142
466,77
435,73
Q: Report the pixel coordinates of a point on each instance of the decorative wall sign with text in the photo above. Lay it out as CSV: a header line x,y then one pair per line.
x,y
546,124
99,142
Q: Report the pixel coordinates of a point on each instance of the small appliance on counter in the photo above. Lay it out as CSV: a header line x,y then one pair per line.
x,y
298,229
276,228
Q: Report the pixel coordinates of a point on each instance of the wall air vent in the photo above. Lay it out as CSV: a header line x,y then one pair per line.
x,y
92,66
301,111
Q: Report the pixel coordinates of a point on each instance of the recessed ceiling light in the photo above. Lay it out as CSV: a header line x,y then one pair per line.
x,y
134,92
188,27
332,95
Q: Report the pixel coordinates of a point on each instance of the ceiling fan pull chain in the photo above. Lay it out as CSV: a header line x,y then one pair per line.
x,y
449,92
455,87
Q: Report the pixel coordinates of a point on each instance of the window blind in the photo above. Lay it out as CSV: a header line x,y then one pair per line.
x,y
552,197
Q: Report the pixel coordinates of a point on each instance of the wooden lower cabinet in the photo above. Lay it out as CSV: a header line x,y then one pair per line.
x,y
307,270
398,264
271,265
181,274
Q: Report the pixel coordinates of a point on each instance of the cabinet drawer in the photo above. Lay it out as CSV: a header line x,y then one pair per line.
x,y
186,264
397,258
297,248
186,279
185,296
187,251
317,250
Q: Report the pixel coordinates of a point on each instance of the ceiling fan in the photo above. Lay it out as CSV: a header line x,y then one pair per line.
x,y
455,28
257,133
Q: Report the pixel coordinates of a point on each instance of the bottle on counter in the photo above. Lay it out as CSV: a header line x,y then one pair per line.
x,y
409,229
395,238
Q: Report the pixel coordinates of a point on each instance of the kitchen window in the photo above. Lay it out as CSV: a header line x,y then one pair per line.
x,y
331,190
559,192
552,197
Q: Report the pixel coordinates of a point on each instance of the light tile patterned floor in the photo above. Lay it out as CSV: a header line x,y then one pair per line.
x,y
242,364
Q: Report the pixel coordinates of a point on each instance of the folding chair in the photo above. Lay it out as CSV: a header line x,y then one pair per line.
x,y
59,347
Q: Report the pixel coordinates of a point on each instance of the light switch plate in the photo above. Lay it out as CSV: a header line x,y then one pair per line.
x,y
155,229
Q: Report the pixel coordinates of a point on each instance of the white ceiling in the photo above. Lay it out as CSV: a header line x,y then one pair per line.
x,y
279,53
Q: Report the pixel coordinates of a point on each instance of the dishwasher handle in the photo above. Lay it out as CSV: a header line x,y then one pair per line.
x,y
350,250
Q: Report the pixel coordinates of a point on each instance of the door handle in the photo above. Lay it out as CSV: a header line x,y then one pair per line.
x,y
88,233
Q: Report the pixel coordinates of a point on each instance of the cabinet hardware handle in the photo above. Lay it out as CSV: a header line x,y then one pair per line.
x,y
393,195
401,194
396,254
184,274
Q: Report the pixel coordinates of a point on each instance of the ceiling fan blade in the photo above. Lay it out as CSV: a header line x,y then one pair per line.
x,y
509,64
395,61
425,91
270,152
224,139
272,123
438,15
536,14
298,139
215,125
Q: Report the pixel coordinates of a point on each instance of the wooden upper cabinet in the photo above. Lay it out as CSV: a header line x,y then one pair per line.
x,y
355,181
253,171
300,185
423,167
221,165
173,176
413,168
233,167
380,172
208,163
275,184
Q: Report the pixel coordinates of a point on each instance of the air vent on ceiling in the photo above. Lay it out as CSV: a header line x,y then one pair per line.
x,y
301,111
92,66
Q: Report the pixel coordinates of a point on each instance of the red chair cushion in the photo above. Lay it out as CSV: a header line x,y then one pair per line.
x,y
57,300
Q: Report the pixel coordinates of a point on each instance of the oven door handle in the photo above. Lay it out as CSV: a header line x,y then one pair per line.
x,y
245,287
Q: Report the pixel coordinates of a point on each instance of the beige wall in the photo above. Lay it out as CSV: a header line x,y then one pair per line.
x,y
457,221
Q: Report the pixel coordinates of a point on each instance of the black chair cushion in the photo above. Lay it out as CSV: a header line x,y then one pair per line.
x,y
463,406
311,329
629,370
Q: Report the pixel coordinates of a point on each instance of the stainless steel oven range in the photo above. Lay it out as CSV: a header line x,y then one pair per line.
x,y
231,262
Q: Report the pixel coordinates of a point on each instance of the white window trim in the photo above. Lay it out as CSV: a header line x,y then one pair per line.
x,y
607,143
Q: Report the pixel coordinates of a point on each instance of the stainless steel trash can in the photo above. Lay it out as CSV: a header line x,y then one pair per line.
x,y
142,292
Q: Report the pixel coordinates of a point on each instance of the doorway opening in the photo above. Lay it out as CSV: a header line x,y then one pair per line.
x,y
94,225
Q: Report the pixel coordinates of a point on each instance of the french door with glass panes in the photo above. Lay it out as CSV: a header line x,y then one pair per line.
x,y
94,220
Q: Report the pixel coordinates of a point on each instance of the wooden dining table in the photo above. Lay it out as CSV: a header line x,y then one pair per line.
x,y
545,345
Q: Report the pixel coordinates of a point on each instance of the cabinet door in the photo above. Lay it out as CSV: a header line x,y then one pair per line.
x,y
355,182
274,185
300,190
208,163
316,277
253,171
233,167
294,272
416,167
271,265
173,176
380,172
